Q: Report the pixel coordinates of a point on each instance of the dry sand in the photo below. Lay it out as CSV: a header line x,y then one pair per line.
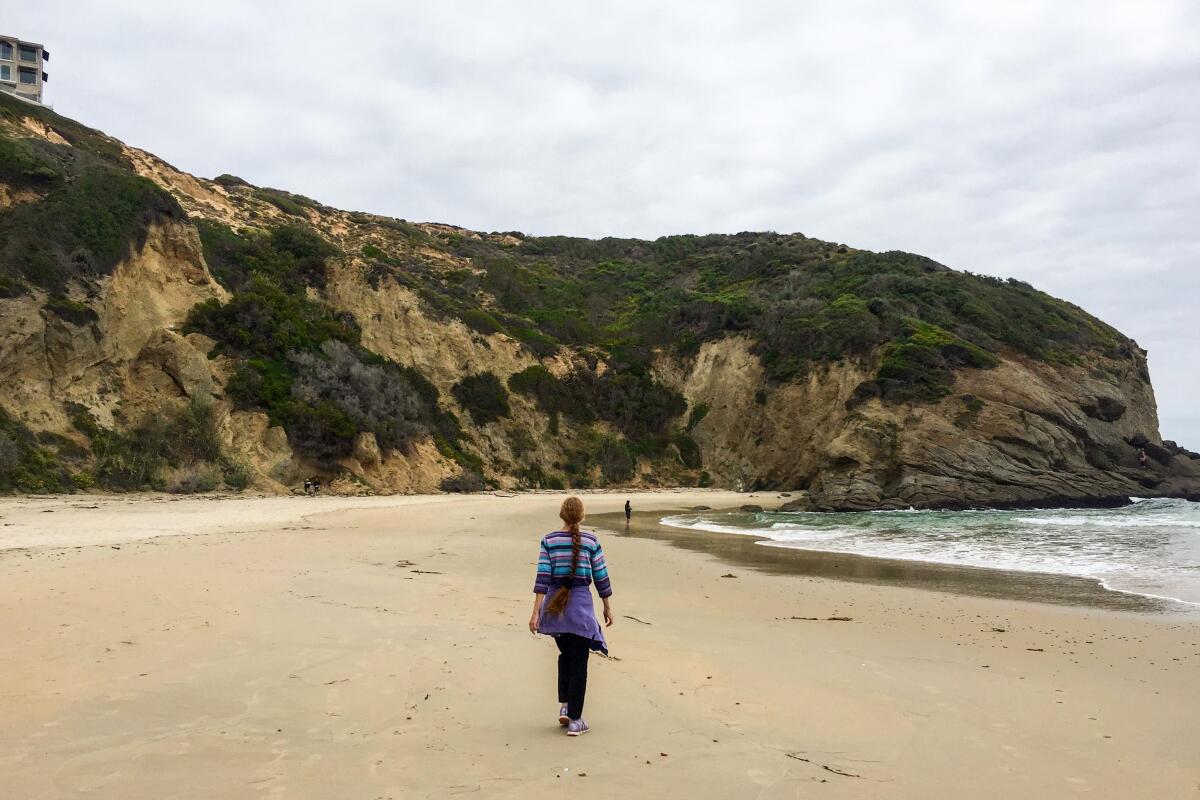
x,y
377,648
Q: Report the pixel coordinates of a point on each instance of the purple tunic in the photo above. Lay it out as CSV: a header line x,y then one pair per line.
x,y
554,570
579,618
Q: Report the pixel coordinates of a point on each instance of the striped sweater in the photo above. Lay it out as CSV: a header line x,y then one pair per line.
x,y
554,562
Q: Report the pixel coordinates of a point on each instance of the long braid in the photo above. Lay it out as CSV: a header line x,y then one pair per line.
x,y
572,514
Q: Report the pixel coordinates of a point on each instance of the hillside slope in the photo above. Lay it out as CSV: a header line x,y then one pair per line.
x,y
162,330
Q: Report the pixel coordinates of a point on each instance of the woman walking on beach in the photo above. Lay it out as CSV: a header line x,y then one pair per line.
x,y
569,561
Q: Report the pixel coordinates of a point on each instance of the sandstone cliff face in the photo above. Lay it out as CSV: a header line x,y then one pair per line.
x,y
1022,433
129,349
1025,431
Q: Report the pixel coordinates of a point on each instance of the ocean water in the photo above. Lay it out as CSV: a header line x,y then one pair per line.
x,y
1151,547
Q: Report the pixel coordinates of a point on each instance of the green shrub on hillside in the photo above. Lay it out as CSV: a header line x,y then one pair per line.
x,y
375,397
287,202
921,366
609,454
689,451
479,320
25,466
553,396
23,166
464,483
80,137
324,399
70,310
263,320
535,477
483,397
633,402
184,437
11,288
230,181
291,256
91,216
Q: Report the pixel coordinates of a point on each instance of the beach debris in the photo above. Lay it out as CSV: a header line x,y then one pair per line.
x,y
820,619
1036,649
999,630
426,572
339,680
729,575
825,767
635,619
664,755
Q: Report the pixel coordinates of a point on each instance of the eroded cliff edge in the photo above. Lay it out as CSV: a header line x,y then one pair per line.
x,y
391,356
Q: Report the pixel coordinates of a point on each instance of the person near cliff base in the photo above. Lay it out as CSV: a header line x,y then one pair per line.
x,y
628,511
569,562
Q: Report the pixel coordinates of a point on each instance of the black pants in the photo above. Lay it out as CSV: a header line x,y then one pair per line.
x,y
572,671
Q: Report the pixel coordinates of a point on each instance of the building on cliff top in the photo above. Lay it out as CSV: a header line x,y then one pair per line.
x,y
21,66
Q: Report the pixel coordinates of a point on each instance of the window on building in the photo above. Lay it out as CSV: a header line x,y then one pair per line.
x,y
28,53
6,51
28,77
5,72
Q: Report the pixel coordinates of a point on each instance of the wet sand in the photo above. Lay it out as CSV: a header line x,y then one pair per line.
x,y
382,652
745,551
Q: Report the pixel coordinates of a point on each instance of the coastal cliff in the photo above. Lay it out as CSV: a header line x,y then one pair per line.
x,y
160,330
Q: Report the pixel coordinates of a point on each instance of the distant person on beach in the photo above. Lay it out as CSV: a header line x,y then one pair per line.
x,y
569,561
308,485
316,485
628,511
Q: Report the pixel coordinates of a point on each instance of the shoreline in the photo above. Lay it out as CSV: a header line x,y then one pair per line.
x,y
762,554
382,652
262,512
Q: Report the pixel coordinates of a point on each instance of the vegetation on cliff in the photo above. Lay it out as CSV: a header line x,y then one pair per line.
x,y
805,302
302,362
92,212
26,465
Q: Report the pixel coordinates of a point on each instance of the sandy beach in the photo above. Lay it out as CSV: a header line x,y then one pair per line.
x,y
377,648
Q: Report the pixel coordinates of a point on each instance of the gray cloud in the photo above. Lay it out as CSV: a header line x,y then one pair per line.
x,y
1055,143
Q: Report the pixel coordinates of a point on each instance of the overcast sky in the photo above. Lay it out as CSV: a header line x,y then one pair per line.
x,y
1058,142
